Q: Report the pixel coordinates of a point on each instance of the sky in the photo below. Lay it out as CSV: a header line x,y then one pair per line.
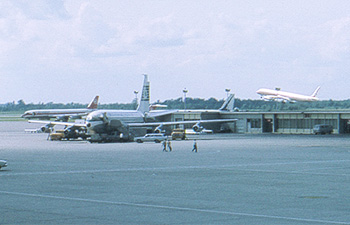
x,y
69,51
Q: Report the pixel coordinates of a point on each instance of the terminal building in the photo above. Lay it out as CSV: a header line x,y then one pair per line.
x,y
267,122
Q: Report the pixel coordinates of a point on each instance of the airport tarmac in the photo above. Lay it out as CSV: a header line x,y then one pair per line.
x,y
233,179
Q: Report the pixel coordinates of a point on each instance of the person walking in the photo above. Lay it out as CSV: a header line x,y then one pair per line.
x,y
169,146
164,146
195,149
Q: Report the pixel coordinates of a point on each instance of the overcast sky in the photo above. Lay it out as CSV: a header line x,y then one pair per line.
x,y
70,51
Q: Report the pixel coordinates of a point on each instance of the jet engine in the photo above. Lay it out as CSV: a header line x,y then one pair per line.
x,y
75,132
62,118
69,131
47,128
198,127
159,129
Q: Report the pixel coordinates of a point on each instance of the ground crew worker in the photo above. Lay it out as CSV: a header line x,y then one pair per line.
x,y
164,146
169,146
194,146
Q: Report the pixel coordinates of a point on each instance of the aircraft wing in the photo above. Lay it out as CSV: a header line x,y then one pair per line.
x,y
283,98
68,115
137,124
180,122
157,113
151,124
273,97
57,123
65,117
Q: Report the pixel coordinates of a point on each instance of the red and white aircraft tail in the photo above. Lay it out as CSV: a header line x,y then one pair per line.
x,y
94,103
315,92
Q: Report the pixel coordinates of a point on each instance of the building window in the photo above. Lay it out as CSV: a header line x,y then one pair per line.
x,y
306,115
255,123
304,123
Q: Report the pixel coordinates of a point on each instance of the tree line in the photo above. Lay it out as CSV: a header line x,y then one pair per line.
x,y
192,103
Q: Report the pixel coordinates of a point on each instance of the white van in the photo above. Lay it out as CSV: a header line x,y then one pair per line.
x,y
323,129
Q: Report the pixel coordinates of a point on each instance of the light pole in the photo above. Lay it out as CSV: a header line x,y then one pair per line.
x,y
185,92
136,92
227,91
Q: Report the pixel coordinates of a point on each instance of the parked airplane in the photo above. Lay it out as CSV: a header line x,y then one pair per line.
x,y
278,95
227,106
156,106
112,125
61,114
123,125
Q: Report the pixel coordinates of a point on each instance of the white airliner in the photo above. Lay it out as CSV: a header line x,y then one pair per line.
x,y
61,114
124,125
278,95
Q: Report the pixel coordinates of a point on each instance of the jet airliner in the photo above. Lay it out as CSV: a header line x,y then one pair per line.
x,y
278,95
61,114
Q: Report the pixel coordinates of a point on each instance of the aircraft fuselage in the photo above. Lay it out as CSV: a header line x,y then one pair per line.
x,y
54,113
270,94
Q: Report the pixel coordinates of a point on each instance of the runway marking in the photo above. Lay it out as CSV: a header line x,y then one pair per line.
x,y
173,168
173,208
295,172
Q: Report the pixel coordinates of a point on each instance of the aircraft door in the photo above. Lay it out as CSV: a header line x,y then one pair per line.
x,y
249,126
267,125
344,126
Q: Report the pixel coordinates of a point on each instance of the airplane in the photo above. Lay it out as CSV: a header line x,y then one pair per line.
x,y
278,95
3,163
124,125
156,106
61,114
227,106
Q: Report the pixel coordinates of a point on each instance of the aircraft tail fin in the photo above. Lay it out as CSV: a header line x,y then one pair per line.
x,y
315,92
229,103
145,96
94,103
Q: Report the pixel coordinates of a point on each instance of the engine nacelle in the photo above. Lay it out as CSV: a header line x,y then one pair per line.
x,y
68,131
159,129
62,118
75,117
46,129
197,127
74,130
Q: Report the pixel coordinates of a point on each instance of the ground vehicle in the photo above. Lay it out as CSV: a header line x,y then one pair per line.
x,y
178,133
3,163
67,135
323,129
57,136
156,137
